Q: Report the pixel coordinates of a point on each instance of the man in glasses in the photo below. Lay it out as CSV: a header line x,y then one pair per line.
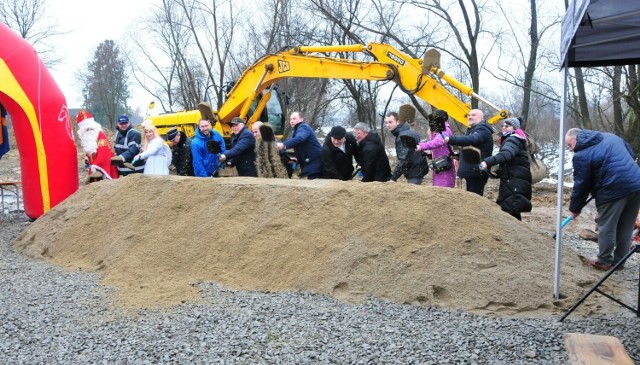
x,y
604,166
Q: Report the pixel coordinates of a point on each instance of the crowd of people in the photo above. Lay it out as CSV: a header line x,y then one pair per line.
x,y
342,156
604,165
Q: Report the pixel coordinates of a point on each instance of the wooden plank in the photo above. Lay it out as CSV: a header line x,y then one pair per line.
x,y
585,349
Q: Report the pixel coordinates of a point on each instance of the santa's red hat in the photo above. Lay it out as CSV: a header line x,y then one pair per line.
x,y
84,118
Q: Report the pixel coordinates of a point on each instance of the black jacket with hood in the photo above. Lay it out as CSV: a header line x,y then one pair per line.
x,y
373,159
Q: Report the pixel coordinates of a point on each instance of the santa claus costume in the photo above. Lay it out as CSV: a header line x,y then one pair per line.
x,y
96,146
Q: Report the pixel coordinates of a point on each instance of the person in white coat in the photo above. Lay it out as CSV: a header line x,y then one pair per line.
x,y
154,150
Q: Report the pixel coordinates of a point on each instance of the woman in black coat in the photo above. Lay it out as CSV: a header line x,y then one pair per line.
x,y
514,196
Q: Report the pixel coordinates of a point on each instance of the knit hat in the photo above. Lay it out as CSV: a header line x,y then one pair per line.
x,y
513,121
84,118
338,132
171,134
123,119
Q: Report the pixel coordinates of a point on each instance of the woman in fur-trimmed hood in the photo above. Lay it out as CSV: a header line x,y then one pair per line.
x,y
514,196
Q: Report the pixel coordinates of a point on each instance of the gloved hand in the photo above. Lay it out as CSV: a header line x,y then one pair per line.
x,y
117,160
135,159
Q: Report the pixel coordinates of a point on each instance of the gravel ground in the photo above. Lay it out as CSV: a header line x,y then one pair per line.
x,y
54,317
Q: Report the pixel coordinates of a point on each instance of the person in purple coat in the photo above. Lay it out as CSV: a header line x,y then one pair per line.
x,y
439,130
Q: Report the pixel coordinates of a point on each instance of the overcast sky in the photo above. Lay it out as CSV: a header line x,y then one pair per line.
x,y
88,23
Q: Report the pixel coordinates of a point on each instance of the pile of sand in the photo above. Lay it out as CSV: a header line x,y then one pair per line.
x,y
154,238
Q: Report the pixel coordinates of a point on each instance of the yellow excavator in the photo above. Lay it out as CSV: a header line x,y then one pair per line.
x,y
251,97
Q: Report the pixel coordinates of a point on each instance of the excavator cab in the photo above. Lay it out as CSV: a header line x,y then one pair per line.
x,y
273,110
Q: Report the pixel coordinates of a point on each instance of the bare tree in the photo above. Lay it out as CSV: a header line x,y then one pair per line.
x,y
168,71
616,102
520,71
29,19
344,19
213,26
466,33
192,55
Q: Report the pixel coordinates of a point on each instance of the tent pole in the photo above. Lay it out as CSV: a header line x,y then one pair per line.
x,y
563,112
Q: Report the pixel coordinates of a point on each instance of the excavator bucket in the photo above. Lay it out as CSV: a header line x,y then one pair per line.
x,y
430,59
207,113
407,114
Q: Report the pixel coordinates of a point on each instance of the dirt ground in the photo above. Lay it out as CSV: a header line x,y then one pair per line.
x,y
410,244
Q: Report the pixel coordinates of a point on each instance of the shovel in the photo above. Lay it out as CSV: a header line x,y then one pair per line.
x,y
266,132
409,142
568,219
213,147
358,169
471,155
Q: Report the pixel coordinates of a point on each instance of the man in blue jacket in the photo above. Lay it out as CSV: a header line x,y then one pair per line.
x,y
306,146
480,136
205,163
242,153
604,166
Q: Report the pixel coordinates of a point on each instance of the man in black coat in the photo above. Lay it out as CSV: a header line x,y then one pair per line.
x,y
411,163
180,152
372,155
479,135
242,153
338,152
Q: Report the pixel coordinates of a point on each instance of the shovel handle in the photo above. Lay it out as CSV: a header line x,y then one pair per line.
x,y
568,219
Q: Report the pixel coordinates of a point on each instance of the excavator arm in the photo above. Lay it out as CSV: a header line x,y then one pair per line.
x,y
420,77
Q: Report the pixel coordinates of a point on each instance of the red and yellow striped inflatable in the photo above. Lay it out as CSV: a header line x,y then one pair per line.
x,y
40,119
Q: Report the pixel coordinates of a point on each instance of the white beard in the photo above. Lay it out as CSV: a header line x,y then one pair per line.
x,y
89,137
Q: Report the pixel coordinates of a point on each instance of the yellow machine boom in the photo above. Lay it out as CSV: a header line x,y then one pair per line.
x,y
420,77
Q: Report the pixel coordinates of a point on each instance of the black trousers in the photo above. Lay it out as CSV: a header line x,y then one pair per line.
x,y
476,184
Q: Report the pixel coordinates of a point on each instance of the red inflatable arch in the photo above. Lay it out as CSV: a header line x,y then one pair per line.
x,y
40,119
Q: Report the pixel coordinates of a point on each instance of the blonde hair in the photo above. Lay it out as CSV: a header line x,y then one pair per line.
x,y
147,125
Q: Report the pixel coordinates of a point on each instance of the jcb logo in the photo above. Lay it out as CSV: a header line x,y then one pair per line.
x,y
283,66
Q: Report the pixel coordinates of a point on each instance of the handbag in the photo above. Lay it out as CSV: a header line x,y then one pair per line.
x,y
444,162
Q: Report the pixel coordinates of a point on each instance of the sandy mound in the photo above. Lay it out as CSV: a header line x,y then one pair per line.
x,y
155,238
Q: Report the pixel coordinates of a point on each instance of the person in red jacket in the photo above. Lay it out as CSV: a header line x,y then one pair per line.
x,y
96,148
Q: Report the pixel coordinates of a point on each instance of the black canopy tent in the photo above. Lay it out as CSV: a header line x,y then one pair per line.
x,y
601,33
594,33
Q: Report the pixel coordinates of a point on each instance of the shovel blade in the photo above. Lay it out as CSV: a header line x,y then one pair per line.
x,y
266,132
